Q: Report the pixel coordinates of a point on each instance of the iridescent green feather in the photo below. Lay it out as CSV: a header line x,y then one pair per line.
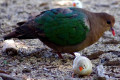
x,y
63,29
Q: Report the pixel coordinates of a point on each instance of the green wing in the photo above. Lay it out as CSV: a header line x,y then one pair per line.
x,y
63,26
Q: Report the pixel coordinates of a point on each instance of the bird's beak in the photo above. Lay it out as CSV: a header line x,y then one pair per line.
x,y
80,68
74,4
113,32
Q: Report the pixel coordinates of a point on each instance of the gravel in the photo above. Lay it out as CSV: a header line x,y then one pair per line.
x,y
38,62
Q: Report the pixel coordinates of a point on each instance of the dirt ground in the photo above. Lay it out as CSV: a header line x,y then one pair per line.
x,y
38,62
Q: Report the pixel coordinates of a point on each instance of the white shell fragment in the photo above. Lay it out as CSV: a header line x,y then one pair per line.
x,y
8,44
101,72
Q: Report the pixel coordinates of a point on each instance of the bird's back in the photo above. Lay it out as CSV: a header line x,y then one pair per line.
x,y
63,27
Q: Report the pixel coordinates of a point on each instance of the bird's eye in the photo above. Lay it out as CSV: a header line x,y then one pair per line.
x,y
84,66
108,22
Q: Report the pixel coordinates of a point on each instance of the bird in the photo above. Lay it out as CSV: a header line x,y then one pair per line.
x,y
82,66
65,30
77,4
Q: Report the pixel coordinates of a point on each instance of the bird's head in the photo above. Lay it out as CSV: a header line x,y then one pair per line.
x,y
108,21
82,66
77,3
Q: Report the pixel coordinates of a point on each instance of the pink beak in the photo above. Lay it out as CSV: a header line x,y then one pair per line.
x,y
113,32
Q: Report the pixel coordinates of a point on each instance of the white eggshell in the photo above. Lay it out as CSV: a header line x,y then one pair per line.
x,y
8,44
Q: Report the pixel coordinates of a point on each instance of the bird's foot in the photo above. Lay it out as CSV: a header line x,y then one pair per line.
x,y
72,53
59,54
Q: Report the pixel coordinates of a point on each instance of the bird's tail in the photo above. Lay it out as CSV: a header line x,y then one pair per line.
x,y
77,54
20,35
10,35
23,31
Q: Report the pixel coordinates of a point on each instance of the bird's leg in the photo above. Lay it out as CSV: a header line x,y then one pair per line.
x,y
73,75
59,54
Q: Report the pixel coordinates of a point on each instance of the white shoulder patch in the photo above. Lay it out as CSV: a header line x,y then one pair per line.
x,y
87,23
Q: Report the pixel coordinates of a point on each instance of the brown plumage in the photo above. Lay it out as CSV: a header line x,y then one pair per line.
x,y
98,23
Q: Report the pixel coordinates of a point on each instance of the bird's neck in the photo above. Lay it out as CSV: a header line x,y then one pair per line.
x,y
96,26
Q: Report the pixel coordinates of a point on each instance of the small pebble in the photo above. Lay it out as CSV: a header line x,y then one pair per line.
x,y
25,70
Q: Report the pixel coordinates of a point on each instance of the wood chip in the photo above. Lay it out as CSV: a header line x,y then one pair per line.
x,y
1,71
95,55
111,42
8,77
112,63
